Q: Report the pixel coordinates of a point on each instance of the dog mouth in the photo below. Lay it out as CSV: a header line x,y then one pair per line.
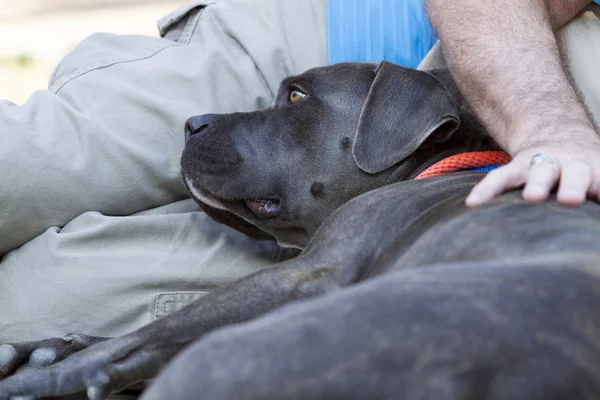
x,y
261,207
267,207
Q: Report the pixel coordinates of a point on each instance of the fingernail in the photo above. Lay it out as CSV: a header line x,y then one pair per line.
x,y
42,357
534,196
95,393
7,354
472,201
570,198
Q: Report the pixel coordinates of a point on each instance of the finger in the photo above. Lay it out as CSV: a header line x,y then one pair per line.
x,y
575,181
542,178
594,190
39,359
99,387
7,356
11,358
494,183
37,383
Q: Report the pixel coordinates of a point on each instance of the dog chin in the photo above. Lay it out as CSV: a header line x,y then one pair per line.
x,y
198,195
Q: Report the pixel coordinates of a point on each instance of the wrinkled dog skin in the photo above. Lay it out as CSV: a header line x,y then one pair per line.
x,y
400,291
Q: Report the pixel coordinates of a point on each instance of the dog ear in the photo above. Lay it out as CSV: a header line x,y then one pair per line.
x,y
404,107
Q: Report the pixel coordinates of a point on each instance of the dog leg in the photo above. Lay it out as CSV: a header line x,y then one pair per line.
x,y
120,362
42,353
485,331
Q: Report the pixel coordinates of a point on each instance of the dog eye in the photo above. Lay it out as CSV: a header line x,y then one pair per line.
x,y
296,95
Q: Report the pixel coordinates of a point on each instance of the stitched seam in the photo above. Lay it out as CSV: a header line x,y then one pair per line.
x,y
169,302
107,63
177,16
157,306
184,39
190,26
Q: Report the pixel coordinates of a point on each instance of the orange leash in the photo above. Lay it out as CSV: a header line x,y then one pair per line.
x,y
465,161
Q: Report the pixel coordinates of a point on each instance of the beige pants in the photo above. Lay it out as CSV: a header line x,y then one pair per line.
x,y
107,135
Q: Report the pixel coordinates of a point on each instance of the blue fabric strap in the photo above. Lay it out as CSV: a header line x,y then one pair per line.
x,y
485,169
374,30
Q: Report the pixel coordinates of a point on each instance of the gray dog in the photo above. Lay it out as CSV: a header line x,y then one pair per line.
x,y
400,292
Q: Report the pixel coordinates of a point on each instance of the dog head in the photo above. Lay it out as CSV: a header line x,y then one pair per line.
x,y
331,134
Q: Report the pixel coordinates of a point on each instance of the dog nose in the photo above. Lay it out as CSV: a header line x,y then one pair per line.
x,y
198,123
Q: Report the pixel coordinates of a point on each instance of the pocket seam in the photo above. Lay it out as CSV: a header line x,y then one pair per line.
x,y
160,307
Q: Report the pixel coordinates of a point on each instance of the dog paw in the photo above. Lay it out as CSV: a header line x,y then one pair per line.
x,y
20,357
96,371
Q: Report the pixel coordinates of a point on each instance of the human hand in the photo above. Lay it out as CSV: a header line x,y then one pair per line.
x,y
573,163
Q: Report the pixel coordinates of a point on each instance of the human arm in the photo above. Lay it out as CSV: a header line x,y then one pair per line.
x,y
505,59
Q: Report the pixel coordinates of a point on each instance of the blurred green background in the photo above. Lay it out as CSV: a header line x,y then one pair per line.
x,y
35,34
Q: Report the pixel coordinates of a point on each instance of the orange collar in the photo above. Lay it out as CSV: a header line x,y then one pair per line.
x,y
465,161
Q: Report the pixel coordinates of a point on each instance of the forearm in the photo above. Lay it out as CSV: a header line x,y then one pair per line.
x,y
506,62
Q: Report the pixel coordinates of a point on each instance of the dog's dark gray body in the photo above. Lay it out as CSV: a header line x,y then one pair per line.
x,y
402,293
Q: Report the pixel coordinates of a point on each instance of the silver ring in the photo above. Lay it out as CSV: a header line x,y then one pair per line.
x,y
541,158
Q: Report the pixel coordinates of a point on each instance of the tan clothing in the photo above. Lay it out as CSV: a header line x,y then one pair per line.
x,y
106,136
